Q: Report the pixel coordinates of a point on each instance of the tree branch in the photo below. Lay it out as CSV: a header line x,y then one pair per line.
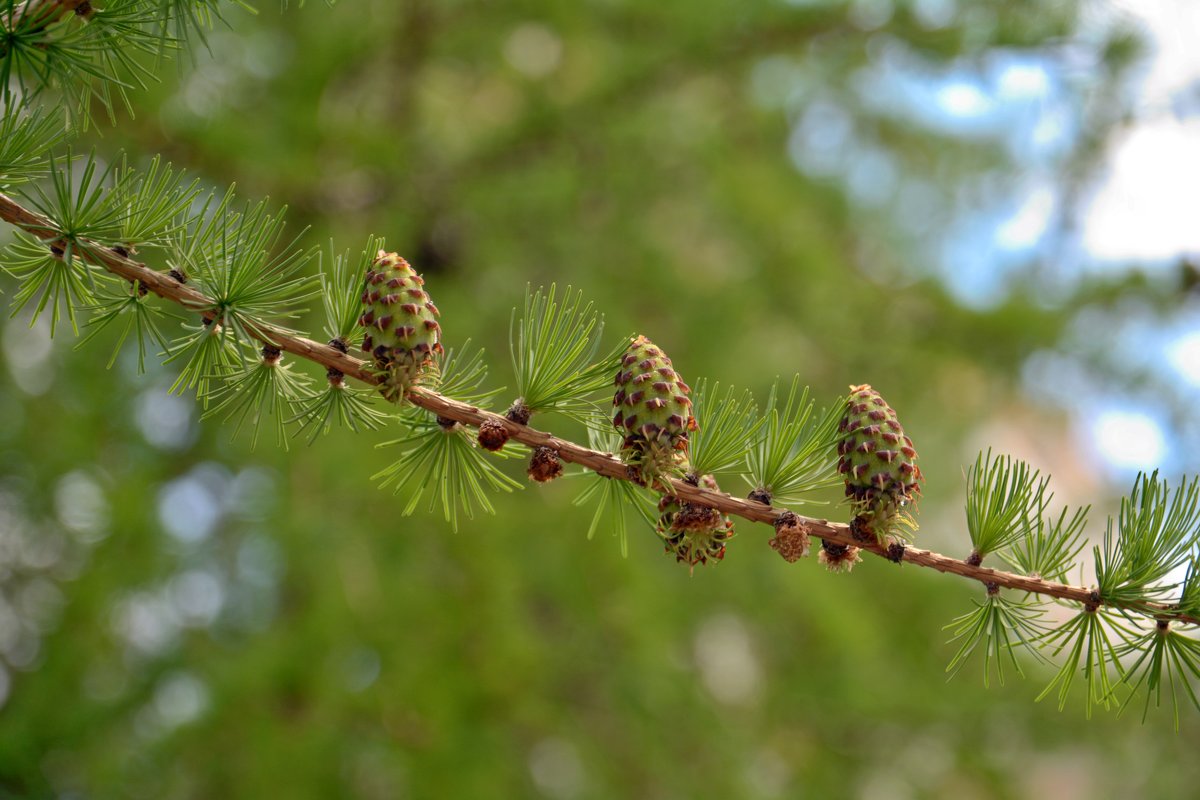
x,y
40,13
604,464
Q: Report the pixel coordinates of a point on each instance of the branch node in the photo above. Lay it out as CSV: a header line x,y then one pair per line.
x,y
518,412
975,559
760,495
860,529
177,275
895,552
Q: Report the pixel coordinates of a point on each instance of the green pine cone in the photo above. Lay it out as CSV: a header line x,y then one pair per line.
x,y
402,332
694,534
878,462
653,411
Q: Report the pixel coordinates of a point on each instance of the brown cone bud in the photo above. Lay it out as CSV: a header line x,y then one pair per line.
x,y
791,538
545,466
492,435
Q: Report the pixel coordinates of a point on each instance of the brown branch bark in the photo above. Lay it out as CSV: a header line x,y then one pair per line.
x,y
40,13
604,464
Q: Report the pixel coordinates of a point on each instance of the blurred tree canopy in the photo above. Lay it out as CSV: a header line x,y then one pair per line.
x,y
746,183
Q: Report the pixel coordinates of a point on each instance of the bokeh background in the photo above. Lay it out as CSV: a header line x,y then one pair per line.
x,y
986,210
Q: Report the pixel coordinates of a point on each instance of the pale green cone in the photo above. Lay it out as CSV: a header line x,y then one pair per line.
x,y
878,462
400,323
653,411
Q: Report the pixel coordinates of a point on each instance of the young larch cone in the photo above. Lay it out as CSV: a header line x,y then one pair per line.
x,y
878,462
401,331
652,410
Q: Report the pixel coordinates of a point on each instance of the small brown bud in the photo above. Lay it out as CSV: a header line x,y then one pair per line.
x,y
544,465
492,435
860,529
518,412
791,538
760,495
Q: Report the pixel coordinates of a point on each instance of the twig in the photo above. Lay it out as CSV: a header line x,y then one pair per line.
x,y
604,464
40,13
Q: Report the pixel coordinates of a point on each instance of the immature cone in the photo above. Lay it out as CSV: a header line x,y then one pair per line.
x,y
693,533
653,411
878,462
402,332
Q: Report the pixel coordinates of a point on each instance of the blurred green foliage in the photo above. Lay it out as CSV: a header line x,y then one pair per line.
x,y
186,617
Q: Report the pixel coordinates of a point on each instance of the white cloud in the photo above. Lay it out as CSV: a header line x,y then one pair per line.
x,y
1145,208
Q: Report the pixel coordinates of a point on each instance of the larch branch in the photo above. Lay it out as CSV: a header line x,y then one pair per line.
x,y
605,464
